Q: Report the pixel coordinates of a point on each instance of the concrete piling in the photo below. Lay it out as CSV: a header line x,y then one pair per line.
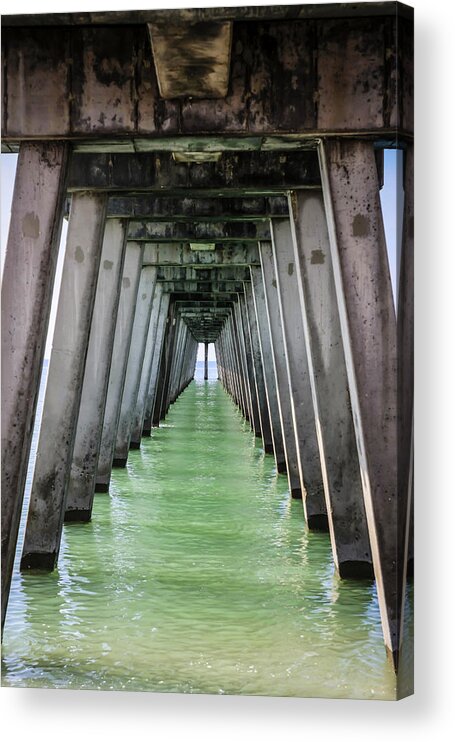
x,y
329,387
368,327
81,485
64,384
278,361
298,379
122,341
135,362
28,280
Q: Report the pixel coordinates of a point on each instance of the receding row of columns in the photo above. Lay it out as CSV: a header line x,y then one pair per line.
x,y
330,378
307,349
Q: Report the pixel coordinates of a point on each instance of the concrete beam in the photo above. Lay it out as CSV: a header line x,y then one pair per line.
x,y
258,173
161,208
212,288
180,255
195,232
97,84
191,273
195,15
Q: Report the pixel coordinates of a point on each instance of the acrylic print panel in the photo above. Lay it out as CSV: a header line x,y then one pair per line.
x,y
207,410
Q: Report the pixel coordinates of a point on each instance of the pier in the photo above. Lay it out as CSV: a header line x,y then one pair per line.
x,y
220,170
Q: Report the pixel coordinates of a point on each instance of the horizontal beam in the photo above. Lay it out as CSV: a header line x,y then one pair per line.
x,y
160,208
195,15
190,273
217,232
96,85
202,287
247,172
181,255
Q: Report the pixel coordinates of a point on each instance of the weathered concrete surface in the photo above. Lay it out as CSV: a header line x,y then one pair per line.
x,y
329,386
180,254
122,341
296,364
206,361
215,274
255,416
368,326
278,361
151,392
256,358
199,15
64,384
326,74
28,280
135,361
243,368
192,59
195,232
162,208
139,413
405,342
81,485
258,173
257,284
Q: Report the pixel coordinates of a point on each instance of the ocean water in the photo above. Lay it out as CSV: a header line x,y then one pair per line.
x,y
197,575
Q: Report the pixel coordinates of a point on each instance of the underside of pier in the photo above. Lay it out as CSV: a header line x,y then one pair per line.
x,y
220,171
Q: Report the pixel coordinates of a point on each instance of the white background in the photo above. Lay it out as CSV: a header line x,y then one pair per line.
x,y
79,715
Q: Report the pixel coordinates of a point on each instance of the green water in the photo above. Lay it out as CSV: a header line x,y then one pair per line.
x,y
197,575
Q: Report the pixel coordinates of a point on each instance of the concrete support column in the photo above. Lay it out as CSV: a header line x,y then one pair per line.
x,y
329,386
239,360
277,343
296,362
405,338
181,376
252,329
151,393
177,362
122,341
368,326
235,362
139,412
28,280
244,362
257,284
206,361
243,319
174,350
160,408
135,361
64,384
81,487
